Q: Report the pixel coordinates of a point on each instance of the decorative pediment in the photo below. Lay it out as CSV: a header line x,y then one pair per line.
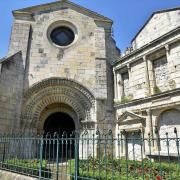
x,y
128,117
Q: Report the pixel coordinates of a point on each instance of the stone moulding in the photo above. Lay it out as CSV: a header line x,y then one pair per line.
x,y
139,53
59,81
151,98
56,90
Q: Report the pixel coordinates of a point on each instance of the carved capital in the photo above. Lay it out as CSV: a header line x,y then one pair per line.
x,y
167,48
148,112
144,58
128,66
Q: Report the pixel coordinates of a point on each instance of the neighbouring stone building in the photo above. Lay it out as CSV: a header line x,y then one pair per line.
x,y
147,82
63,71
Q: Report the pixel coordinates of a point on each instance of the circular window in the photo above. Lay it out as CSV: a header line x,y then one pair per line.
x,y
62,36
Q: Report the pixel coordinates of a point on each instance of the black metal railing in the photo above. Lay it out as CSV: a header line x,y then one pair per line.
x,y
88,155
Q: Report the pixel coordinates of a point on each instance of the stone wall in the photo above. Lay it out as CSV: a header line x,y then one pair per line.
x,y
159,24
153,68
77,62
161,73
11,89
19,40
150,73
137,80
174,63
87,61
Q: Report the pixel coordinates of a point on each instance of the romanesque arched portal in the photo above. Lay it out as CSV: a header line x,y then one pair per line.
x,y
57,95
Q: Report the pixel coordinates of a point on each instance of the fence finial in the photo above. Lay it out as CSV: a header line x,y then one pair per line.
x,y
175,130
156,130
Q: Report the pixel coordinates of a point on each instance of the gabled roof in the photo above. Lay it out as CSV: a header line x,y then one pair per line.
x,y
156,12
63,3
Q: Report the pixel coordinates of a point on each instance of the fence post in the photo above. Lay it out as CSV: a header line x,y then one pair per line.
x,y
177,145
41,157
4,151
76,174
57,155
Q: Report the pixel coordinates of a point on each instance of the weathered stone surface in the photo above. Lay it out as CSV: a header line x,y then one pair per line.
x,y
11,91
78,79
153,69
4,175
86,63
159,24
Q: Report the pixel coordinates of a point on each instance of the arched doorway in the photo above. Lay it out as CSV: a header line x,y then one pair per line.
x,y
58,131
53,95
59,122
79,103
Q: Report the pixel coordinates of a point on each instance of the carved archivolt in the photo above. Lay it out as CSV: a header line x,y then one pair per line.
x,y
57,90
60,82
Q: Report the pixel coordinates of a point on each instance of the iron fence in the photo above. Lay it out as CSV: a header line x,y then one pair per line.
x,y
84,155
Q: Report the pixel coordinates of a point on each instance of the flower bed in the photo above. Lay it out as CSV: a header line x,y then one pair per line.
x,y
121,169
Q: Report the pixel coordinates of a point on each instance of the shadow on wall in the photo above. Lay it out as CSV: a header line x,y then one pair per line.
x,y
11,90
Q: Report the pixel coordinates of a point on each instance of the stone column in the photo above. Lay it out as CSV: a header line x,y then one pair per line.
x,y
148,123
167,48
115,85
129,72
120,86
152,79
147,75
167,51
150,73
123,144
171,73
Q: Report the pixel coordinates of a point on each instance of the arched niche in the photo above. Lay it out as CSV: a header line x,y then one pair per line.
x,y
167,121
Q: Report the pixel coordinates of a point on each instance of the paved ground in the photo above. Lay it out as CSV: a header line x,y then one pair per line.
x,y
4,175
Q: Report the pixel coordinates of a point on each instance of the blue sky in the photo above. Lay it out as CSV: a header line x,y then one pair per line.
x,y
128,16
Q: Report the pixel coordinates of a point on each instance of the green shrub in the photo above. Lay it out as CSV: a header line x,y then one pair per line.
x,y
126,99
26,166
157,90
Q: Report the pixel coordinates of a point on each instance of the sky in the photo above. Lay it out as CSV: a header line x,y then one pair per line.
x,y
128,16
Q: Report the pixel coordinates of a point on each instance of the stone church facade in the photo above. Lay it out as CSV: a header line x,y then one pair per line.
x,y
63,64
40,77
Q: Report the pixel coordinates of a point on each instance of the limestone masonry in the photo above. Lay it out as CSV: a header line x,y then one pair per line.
x,y
64,64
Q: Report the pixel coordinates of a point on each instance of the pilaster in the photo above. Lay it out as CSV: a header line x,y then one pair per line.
x,y
147,75
115,85
149,128
120,86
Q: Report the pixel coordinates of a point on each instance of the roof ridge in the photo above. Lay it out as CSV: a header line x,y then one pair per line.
x,y
149,18
63,2
167,10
